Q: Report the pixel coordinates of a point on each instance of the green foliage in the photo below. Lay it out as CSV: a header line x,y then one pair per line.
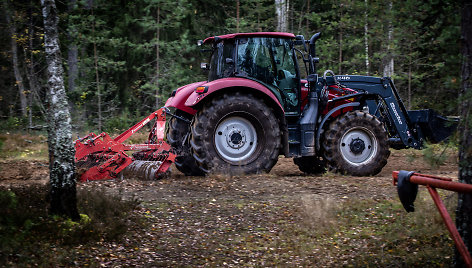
x,y
435,154
121,122
12,123
122,37
8,202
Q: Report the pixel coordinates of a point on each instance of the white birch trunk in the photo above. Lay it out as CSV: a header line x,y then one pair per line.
x,y
281,10
72,54
389,61
61,149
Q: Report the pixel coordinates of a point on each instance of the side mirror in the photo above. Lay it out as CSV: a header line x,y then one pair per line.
x,y
300,40
204,66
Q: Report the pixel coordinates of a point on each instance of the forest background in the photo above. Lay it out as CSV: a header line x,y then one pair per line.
x,y
124,58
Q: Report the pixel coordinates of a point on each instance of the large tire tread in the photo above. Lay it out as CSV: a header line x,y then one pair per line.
x,y
213,112
334,134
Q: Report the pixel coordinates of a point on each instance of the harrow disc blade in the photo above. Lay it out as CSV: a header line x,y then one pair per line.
x,y
144,170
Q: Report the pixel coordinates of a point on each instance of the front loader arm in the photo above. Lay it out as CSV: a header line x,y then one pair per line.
x,y
372,89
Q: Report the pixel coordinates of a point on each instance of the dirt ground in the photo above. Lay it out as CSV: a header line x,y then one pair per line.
x,y
284,180
227,221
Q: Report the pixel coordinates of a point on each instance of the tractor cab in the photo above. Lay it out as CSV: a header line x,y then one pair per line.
x,y
267,58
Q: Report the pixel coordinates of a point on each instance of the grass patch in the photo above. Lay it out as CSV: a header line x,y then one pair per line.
x,y
30,237
308,232
369,233
23,146
329,233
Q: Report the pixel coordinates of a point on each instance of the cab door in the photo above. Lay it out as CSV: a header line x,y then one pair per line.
x,y
287,77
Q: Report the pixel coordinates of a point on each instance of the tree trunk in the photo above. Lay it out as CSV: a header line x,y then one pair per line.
x,y
340,56
389,61
366,38
14,57
30,71
464,204
281,9
157,55
308,12
409,85
61,150
72,54
97,79
237,16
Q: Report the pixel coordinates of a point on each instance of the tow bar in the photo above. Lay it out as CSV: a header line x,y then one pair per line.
x,y
407,186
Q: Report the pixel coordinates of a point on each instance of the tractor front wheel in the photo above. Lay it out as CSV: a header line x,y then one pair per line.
x,y
356,144
235,134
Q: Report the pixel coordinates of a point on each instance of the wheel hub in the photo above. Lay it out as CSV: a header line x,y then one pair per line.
x,y
235,139
357,146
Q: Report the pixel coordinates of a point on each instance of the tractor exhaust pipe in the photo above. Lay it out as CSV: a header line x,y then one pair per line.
x,y
312,53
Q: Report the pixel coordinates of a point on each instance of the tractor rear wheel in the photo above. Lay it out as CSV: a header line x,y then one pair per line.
x,y
356,144
176,135
311,164
235,134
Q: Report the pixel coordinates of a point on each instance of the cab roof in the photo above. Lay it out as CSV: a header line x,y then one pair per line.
x,y
256,34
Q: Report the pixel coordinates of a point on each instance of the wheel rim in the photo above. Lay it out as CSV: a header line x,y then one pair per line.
x,y
235,139
358,146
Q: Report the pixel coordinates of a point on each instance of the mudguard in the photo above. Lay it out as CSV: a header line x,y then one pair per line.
x,y
232,82
177,100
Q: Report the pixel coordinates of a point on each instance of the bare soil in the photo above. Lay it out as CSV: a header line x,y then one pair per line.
x,y
228,221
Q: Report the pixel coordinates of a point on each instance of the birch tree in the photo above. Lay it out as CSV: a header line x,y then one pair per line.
x,y
61,150
464,204
281,9
389,61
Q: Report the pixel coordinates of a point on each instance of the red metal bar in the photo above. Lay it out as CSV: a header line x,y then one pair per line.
x,y
451,226
433,182
437,183
125,135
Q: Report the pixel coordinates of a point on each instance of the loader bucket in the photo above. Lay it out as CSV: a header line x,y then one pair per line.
x,y
434,126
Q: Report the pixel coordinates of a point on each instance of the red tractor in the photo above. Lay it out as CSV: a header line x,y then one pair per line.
x,y
256,106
